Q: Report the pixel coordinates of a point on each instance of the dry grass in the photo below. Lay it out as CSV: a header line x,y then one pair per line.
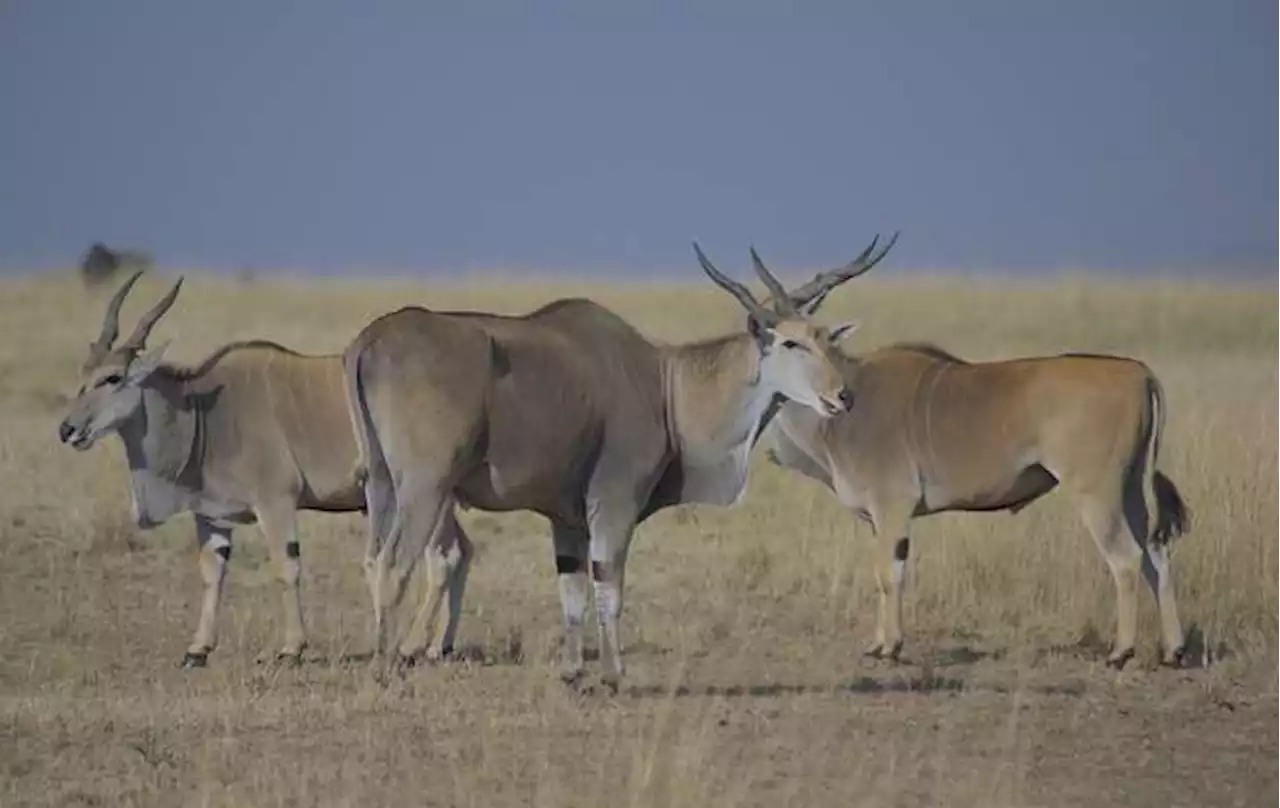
x,y
743,625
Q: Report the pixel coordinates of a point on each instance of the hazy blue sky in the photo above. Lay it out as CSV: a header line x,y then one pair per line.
x,y
584,136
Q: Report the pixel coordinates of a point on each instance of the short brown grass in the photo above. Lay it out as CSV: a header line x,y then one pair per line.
x,y
743,625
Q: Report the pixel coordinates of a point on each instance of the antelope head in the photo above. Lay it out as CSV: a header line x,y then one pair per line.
x,y
112,375
798,360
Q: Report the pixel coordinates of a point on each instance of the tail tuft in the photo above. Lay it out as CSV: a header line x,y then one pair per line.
x,y
1173,518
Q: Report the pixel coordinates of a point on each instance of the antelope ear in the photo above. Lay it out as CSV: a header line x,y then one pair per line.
x,y
843,331
143,366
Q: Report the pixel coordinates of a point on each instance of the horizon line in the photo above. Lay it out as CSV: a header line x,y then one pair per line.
x,y
614,276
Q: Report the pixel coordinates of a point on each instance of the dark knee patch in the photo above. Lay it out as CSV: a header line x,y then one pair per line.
x,y
223,552
901,549
292,550
600,571
568,565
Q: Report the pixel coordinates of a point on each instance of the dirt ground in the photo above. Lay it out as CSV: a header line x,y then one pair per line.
x,y
743,626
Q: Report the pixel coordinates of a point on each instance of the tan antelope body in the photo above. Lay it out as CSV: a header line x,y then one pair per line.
x,y
929,432
568,412
254,433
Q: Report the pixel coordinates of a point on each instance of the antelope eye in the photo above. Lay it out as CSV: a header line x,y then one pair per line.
x,y
113,379
790,343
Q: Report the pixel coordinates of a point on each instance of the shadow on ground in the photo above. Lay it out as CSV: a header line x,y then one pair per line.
x,y
862,685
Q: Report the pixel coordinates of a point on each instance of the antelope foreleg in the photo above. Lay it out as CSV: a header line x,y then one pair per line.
x,y
215,552
893,547
279,525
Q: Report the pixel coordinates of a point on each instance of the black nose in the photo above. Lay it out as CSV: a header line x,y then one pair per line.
x,y
64,431
846,398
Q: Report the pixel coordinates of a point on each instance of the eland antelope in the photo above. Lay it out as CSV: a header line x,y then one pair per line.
x,y
254,433
569,412
929,432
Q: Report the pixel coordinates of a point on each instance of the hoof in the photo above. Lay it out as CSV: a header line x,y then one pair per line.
x,y
1175,659
1117,660
440,654
611,683
572,678
879,651
415,659
194,659
290,658
403,661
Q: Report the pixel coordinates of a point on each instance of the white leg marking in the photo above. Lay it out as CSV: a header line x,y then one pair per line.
x,y
571,579
610,537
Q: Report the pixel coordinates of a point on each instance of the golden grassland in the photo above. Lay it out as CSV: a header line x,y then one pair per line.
x,y
743,625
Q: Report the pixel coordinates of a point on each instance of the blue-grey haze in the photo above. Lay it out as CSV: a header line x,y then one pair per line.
x,y
1129,135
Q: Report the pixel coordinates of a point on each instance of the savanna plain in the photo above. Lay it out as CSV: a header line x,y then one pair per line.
x,y
743,626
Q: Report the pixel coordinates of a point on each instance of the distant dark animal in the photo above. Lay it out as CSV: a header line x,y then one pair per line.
x,y
100,264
